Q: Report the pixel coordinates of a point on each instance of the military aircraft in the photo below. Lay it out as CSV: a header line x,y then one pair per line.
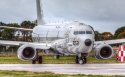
x,y
75,38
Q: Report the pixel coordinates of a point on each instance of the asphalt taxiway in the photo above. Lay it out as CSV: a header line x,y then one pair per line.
x,y
94,69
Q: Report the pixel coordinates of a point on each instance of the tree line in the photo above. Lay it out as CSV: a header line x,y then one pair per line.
x,y
17,35
119,34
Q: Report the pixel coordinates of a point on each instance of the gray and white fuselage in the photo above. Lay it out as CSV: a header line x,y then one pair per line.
x,y
73,38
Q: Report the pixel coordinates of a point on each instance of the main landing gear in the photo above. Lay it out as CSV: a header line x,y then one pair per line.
x,y
81,60
38,59
57,56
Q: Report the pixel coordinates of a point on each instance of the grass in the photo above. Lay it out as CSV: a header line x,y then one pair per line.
x,y
46,74
12,59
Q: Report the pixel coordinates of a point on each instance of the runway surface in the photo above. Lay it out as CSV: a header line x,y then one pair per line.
x,y
95,69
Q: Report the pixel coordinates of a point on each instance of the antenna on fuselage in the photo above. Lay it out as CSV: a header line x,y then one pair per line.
x,y
40,20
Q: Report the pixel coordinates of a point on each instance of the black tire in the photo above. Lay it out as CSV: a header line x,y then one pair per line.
x,y
81,60
57,56
40,60
33,61
77,60
85,60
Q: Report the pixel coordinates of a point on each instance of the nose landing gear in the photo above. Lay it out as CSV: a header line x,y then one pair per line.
x,y
81,59
57,56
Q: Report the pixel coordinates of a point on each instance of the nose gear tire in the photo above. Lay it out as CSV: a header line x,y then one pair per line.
x,y
81,60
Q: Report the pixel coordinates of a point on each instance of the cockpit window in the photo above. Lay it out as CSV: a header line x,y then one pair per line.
x,y
79,32
82,32
88,32
76,32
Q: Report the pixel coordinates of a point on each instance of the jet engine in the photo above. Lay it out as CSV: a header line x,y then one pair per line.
x,y
103,51
27,52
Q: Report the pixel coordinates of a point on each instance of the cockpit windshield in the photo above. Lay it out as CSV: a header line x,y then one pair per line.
x,y
82,32
76,32
88,32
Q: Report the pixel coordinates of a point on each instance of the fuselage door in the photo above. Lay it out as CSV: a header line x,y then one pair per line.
x,y
67,34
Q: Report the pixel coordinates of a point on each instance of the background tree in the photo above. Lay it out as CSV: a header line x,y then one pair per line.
x,y
27,34
9,34
119,33
3,24
97,36
1,29
107,35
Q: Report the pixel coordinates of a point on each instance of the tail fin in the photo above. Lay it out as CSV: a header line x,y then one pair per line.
x,y
40,20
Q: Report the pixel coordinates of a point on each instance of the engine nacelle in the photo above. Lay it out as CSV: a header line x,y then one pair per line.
x,y
103,51
27,52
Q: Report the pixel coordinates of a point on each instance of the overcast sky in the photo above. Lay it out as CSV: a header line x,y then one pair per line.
x,y
103,15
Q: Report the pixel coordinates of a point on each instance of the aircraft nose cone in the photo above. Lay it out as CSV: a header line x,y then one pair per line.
x,y
88,42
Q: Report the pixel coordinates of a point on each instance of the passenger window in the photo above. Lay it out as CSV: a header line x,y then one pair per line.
x,y
88,32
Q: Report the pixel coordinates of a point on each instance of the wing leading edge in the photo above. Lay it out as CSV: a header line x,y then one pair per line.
x,y
19,43
16,28
111,42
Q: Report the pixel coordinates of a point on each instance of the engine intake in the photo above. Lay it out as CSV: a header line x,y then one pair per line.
x,y
27,52
104,51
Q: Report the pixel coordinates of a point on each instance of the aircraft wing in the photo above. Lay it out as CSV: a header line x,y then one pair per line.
x,y
16,28
19,43
11,43
111,42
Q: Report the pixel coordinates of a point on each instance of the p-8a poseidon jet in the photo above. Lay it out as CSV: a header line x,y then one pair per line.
x,y
73,38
